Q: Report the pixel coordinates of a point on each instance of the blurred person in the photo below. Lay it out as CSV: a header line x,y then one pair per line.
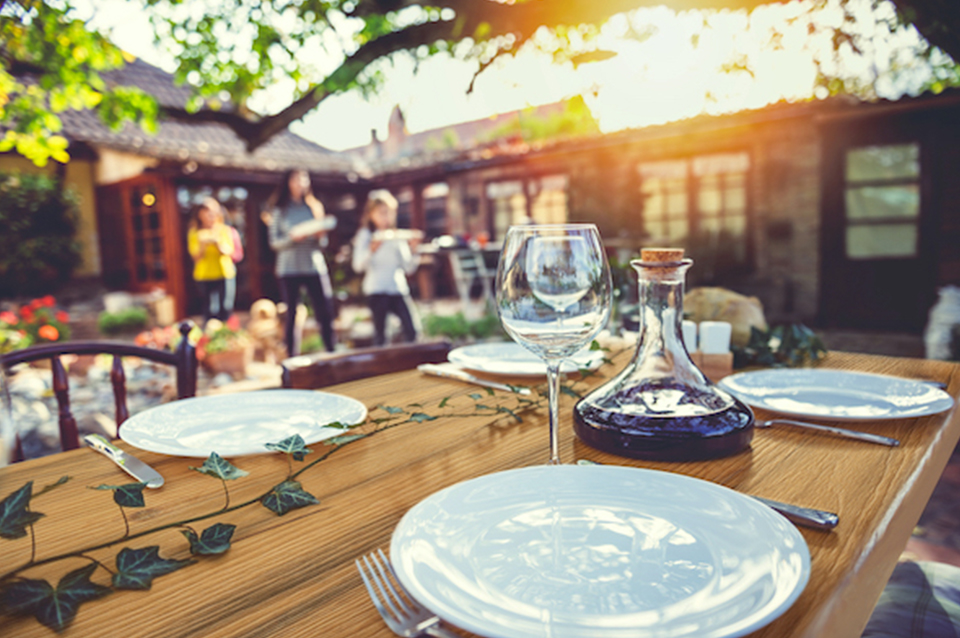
x,y
297,223
210,244
386,257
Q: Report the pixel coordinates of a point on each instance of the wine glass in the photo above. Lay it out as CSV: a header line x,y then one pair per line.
x,y
553,296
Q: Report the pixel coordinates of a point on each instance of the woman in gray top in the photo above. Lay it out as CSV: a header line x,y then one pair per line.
x,y
297,223
386,260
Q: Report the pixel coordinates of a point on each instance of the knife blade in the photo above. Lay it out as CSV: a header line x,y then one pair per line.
x,y
451,371
127,462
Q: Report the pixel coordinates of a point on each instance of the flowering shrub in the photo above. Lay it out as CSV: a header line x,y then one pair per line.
x,y
35,323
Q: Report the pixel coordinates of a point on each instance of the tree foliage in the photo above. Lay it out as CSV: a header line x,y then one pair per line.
x,y
232,51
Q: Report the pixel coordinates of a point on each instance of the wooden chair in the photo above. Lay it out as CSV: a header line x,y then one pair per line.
x,y
321,369
184,360
469,267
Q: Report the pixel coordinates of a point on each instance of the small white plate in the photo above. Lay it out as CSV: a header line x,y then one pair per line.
x,y
240,424
510,358
599,552
837,395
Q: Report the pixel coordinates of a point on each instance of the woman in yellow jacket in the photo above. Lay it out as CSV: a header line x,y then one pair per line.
x,y
210,243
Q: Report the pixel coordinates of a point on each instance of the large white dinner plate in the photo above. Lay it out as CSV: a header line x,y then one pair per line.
x,y
838,395
601,552
510,358
239,424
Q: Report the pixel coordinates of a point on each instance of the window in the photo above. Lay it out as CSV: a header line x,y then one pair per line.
x,y
435,209
663,188
148,237
507,201
882,201
698,202
508,205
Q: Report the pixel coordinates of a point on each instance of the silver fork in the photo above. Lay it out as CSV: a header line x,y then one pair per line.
x,y
400,611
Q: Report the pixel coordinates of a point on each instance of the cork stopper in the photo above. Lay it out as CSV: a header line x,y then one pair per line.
x,y
652,255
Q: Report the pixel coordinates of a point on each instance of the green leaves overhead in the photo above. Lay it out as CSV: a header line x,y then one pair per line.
x,y
287,496
292,445
217,466
15,515
213,540
129,495
54,607
136,568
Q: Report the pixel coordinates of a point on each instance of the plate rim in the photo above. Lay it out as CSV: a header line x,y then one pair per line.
x,y
513,373
799,542
178,404
928,409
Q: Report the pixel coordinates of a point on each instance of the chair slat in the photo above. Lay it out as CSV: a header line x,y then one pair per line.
x,y
119,380
69,434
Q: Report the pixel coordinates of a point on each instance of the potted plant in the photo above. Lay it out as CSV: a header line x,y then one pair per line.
x,y
225,347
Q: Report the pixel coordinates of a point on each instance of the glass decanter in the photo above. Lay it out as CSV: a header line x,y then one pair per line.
x,y
661,406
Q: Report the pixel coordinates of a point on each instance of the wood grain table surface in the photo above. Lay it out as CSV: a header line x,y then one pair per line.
x,y
294,575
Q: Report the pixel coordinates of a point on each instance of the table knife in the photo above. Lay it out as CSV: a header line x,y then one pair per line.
x,y
451,371
804,516
127,462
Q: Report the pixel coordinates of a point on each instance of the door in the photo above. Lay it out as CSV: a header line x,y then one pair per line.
x,y
877,259
140,227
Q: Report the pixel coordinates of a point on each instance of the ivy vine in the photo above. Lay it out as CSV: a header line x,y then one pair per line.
x,y
136,568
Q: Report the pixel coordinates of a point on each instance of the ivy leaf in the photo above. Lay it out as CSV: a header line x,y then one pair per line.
x,y
129,495
293,445
217,466
476,396
391,410
46,488
213,540
511,413
570,392
14,515
55,608
595,345
420,417
136,568
287,496
443,403
489,391
344,439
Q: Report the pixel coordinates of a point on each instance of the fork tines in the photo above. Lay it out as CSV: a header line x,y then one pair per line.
x,y
376,571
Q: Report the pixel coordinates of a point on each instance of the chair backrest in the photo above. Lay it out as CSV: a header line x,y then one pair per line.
x,y
184,360
469,266
319,370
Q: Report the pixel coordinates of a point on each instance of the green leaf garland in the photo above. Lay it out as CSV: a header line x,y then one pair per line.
x,y
288,496
136,568
293,445
15,515
217,466
55,608
213,540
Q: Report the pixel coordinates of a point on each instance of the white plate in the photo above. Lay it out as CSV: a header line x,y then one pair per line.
x,y
510,358
836,394
601,552
239,424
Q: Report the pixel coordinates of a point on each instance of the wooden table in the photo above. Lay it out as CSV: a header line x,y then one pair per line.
x,y
293,575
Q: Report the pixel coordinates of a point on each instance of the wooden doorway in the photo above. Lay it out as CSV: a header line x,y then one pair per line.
x,y
878,257
139,231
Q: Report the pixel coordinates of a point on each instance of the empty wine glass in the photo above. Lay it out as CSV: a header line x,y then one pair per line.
x,y
553,296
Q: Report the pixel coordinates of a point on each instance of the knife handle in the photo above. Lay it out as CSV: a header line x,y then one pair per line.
x,y
100,444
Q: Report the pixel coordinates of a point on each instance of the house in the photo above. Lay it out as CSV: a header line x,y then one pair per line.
x,y
137,191
835,212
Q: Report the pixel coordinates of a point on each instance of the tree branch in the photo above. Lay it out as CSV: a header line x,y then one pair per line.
x,y
491,18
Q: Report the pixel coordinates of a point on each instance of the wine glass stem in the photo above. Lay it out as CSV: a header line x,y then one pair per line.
x,y
553,382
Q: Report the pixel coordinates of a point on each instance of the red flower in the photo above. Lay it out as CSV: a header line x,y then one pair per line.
x,y
48,332
35,304
233,323
27,313
48,301
62,316
8,318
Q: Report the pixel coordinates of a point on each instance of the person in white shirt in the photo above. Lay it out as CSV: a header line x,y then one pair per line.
x,y
386,257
